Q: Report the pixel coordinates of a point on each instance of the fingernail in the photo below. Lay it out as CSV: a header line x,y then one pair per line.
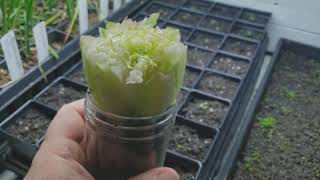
x,y
166,176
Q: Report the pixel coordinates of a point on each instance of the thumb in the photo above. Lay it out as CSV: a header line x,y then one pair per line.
x,y
162,173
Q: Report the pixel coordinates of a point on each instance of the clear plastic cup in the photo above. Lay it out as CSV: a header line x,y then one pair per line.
x,y
119,147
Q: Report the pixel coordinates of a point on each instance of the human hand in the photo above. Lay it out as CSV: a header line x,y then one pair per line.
x,y
61,157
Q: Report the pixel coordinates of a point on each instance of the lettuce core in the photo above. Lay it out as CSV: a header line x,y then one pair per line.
x,y
134,68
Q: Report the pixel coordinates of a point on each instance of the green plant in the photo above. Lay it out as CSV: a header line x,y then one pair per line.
x,y
285,109
50,4
248,33
17,15
253,157
93,5
28,10
291,94
9,13
204,106
182,148
134,69
70,7
267,122
251,17
71,25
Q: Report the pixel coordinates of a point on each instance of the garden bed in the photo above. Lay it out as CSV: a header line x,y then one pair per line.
x,y
211,91
284,139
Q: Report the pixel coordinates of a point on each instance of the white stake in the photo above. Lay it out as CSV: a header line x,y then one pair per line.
x,y
116,5
41,39
12,56
83,16
104,9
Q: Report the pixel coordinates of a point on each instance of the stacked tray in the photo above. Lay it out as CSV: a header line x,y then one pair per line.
x,y
225,46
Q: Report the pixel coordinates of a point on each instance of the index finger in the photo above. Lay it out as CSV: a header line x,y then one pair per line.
x,y
68,122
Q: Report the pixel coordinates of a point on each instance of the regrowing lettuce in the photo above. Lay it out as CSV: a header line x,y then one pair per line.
x,y
134,68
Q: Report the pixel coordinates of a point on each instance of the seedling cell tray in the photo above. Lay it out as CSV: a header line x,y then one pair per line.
x,y
225,50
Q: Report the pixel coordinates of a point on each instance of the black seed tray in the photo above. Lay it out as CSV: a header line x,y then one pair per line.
x,y
188,169
61,91
232,151
214,60
225,46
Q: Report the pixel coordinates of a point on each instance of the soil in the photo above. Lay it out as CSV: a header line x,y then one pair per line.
x,y
240,47
229,65
58,95
78,76
247,32
206,40
181,96
218,85
198,6
4,76
254,17
190,78
198,57
190,142
289,147
165,12
30,127
187,18
208,112
215,24
225,11
30,60
185,170
56,40
93,18
57,44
